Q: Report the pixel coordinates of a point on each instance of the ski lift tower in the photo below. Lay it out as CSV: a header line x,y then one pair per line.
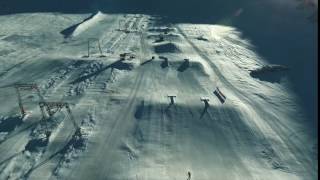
x,y
50,108
120,22
98,44
26,87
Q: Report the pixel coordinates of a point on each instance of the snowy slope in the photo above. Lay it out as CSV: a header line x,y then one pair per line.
x,y
130,129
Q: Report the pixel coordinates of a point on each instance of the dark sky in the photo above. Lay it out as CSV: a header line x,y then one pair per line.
x,y
168,7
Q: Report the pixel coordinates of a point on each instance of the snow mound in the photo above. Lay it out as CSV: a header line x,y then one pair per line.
x,y
166,48
162,29
271,73
77,29
123,65
165,37
77,144
269,68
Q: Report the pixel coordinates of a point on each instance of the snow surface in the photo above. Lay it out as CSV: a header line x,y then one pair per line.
x,y
129,128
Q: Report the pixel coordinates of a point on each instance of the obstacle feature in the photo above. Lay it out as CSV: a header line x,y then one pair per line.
x,y
171,98
98,45
187,61
165,62
25,87
202,38
205,100
221,93
222,98
51,108
184,66
127,55
160,39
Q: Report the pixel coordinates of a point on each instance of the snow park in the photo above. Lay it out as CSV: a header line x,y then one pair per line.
x,y
158,90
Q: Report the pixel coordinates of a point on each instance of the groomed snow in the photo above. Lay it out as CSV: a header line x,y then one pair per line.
x,y
129,128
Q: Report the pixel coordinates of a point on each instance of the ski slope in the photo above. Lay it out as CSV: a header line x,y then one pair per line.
x,y
129,128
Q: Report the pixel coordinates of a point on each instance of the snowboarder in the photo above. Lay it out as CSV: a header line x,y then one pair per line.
x,y
189,175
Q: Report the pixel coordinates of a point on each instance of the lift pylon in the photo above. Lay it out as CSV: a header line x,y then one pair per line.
x,y
98,45
26,87
51,108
